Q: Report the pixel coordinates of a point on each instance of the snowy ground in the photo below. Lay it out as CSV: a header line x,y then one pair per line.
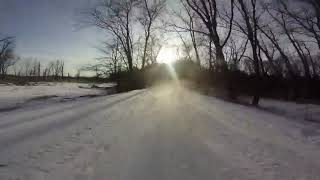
x,y
299,111
12,96
292,110
157,134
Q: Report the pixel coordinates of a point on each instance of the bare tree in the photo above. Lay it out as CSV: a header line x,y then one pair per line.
x,y
250,29
311,59
282,19
208,13
112,61
150,11
236,53
305,17
186,46
26,66
116,17
274,38
188,20
58,68
54,69
6,55
16,69
156,44
269,50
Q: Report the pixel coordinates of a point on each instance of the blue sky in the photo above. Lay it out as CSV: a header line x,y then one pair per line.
x,y
47,30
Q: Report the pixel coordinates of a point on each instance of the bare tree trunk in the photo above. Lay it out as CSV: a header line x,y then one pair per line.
x,y
210,56
145,48
251,32
221,63
195,47
194,40
130,61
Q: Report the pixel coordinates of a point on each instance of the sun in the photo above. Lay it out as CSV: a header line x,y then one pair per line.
x,y
167,55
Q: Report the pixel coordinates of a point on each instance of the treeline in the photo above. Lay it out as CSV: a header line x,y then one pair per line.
x,y
252,47
270,41
14,69
34,68
11,64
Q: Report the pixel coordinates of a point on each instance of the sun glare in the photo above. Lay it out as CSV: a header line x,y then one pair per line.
x,y
167,55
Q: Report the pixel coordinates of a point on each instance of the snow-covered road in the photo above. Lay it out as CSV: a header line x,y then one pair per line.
x,y
162,133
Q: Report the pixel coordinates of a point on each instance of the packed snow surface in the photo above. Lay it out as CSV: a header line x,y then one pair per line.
x,y
162,133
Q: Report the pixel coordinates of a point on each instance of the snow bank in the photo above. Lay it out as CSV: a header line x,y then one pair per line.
x,y
12,95
292,110
289,109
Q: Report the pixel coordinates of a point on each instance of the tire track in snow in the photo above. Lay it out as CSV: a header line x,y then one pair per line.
x,y
37,116
69,119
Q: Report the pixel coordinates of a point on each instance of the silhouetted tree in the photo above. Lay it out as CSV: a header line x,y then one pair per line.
x,y
6,55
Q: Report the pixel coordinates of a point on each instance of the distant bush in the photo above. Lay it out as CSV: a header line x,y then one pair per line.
x,y
139,79
127,81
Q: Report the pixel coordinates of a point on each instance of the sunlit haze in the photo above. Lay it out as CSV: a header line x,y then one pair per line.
x,y
167,55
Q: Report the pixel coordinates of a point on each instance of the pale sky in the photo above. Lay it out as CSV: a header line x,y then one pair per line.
x,y
47,30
